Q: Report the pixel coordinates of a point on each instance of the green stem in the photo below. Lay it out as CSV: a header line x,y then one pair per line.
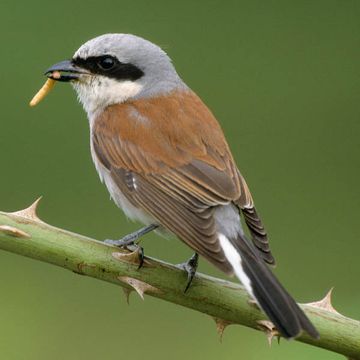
x,y
24,234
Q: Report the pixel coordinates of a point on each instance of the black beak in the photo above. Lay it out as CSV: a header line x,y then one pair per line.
x,y
72,72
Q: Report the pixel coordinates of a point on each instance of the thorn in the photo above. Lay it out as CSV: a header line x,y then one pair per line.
x,y
221,325
325,303
127,293
270,330
132,257
253,303
81,265
139,286
30,212
12,231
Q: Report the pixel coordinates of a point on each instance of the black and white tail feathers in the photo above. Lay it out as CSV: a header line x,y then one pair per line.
x,y
262,284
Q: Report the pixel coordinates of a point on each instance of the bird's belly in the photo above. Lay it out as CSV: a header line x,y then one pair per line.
x,y
119,198
121,201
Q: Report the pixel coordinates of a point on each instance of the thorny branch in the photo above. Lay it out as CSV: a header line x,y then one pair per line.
x,y
227,303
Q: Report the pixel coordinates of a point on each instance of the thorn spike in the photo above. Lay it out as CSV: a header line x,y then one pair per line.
x,y
254,304
221,325
30,212
13,231
270,330
139,286
132,257
325,303
127,293
129,257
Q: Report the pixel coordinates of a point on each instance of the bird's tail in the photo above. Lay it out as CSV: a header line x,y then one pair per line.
x,y
262,284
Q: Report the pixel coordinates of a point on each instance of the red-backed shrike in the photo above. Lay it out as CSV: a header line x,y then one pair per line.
x,y
165,161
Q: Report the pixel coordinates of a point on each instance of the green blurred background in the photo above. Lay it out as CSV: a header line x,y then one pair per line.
x,y
283,79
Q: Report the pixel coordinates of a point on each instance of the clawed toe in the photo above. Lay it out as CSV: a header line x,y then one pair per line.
x,y
190,267
128,241
129,246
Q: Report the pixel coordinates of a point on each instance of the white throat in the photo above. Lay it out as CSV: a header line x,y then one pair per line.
x,y
97,92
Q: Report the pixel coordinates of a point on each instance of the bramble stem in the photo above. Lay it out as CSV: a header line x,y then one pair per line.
x,y
24,234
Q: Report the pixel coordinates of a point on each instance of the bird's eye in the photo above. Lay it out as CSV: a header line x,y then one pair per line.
x,y
106,63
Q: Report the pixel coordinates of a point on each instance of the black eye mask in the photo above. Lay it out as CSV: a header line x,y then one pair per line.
x,y
109,66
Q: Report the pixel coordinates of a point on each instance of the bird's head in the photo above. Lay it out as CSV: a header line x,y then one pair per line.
x,y
114,68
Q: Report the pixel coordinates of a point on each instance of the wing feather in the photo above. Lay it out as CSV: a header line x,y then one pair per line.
x,y
183,168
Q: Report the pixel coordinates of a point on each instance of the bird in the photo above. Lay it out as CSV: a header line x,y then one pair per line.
x,y
165,161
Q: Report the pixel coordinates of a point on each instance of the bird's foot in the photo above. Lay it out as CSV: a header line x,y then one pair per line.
x,y
190,267
128,241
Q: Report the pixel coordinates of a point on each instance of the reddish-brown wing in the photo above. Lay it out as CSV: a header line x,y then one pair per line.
x,y
174,150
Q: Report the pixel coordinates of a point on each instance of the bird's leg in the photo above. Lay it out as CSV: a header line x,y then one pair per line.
x,y
190,267
128,241
132,237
